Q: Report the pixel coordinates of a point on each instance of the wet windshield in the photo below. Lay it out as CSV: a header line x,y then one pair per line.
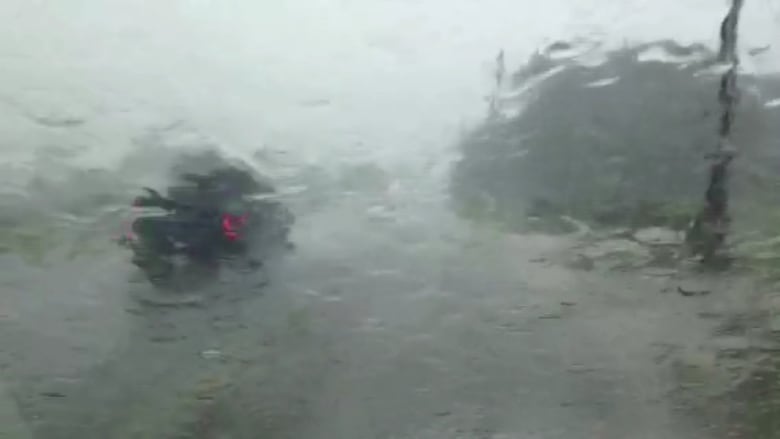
x,y
466,219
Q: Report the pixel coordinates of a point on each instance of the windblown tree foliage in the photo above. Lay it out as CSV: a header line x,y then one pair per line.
x,y
622,142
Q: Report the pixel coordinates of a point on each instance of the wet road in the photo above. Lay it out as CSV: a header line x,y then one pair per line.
x,y
388,321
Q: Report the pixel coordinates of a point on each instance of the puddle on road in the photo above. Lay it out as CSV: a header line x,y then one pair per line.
x,y
473,319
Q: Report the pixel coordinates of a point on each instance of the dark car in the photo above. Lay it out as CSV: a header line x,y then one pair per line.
x,y
205,219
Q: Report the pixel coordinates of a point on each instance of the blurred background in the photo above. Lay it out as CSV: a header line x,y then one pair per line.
x,y
473,258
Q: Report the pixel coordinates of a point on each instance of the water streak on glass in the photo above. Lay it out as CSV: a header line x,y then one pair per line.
x,y
483,245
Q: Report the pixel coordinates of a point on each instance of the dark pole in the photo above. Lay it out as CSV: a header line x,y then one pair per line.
x,y
709,230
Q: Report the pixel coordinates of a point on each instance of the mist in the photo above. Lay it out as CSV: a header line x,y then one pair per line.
x,y
391,317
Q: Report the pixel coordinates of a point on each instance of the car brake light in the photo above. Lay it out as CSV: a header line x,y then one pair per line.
x,y
231,225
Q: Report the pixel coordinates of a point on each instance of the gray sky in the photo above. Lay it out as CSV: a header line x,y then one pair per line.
x,y
315,77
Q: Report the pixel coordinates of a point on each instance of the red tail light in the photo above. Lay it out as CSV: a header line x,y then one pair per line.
x,y
231,225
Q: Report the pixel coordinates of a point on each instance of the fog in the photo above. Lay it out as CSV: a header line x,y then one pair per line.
x,y
323,79
392,318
